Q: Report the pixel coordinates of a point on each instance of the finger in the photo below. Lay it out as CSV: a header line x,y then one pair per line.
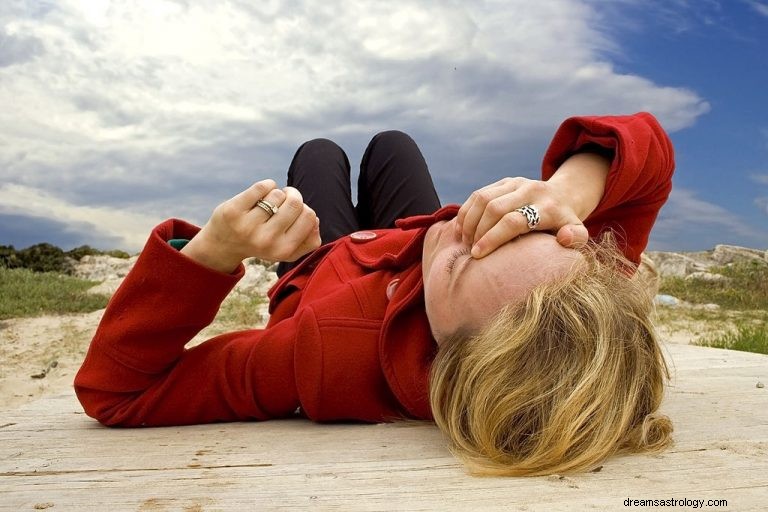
x,y
245,200
496,210
573,235
275,197
289,211
462,213
480,200
302,229
312,242
499,234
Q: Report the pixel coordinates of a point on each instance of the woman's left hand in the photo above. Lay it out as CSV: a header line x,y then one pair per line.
x,y
488,219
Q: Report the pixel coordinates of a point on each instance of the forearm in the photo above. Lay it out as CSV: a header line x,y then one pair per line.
x,y
580,181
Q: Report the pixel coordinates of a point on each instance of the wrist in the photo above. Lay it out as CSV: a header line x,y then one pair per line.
x,y
210,254
580,180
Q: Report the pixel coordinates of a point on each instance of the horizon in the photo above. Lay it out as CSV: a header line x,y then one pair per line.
x,y
118,116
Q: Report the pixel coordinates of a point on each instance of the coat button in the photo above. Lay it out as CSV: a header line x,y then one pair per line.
x,y
391,287
361,237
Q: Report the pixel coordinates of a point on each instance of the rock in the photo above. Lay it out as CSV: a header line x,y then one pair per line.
x,y
706,276
102,268
108,287
257,279
666,300
676,264
707,307
725,254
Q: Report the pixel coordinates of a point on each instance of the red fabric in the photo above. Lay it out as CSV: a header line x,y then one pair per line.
x,y
640,178
335,345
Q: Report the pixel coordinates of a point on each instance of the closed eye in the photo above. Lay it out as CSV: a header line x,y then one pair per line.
x,y
454,256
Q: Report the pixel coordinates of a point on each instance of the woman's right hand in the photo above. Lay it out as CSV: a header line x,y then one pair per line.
x,y
239,229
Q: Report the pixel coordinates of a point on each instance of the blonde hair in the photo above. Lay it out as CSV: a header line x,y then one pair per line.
x,y
559,382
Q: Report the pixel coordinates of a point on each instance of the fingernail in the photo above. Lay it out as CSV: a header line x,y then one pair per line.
x,y
475,251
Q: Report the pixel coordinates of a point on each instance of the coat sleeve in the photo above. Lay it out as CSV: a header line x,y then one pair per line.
x,y
138,372
639,180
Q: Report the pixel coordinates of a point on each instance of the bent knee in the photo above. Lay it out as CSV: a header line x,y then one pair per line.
x,y
392,137
320,145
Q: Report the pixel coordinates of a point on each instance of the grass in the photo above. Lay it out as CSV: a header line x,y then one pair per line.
x,y
741,323
745,289
25,294
241,312
747,338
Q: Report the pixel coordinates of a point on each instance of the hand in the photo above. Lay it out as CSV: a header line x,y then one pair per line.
x,y
239,229
488,219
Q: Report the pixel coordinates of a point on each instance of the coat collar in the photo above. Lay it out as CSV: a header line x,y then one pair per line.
x,y
397,248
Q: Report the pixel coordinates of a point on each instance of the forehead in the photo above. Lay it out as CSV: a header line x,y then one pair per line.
x,y
521,264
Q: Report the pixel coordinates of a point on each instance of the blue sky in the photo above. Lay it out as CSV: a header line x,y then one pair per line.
x,y
119,114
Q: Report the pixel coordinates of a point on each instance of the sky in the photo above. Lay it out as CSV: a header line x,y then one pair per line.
x,y
116,115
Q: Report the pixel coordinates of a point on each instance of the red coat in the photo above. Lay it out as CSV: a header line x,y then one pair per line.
x,y
343,341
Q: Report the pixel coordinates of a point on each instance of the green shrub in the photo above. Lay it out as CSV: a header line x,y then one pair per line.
x,y
83,250
44,258
86,250
8,257
49,258
117,253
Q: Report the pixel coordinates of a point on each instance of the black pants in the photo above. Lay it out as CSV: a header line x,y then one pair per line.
x,y
394,182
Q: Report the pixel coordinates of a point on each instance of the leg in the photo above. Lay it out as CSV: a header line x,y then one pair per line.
x,y
320,171
394,182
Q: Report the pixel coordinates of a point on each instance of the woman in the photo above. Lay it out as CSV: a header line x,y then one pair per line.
x,y
532,351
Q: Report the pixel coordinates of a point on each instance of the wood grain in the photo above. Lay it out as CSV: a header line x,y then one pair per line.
x,y
53,457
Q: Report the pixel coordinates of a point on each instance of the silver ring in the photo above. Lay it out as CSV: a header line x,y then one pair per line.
x,y
531,214
267,207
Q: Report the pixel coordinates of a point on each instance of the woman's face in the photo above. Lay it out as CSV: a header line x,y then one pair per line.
x,y
461,292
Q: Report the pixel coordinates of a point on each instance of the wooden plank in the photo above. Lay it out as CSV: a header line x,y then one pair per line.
x,y
51,453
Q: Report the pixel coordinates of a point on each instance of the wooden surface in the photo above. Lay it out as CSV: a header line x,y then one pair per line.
x,y
53,457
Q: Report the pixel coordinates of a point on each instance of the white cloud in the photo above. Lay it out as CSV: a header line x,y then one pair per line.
x,y
759,7
688,219
158,106
762,203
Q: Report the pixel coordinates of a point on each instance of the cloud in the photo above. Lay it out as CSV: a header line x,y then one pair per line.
x,y
17,49
761,202
26,230
161,108
688,222
127,229
759,7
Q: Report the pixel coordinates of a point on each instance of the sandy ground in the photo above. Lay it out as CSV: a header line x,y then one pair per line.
x,y
40,356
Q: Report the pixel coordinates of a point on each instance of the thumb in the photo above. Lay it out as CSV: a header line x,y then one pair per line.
x,y
573,235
